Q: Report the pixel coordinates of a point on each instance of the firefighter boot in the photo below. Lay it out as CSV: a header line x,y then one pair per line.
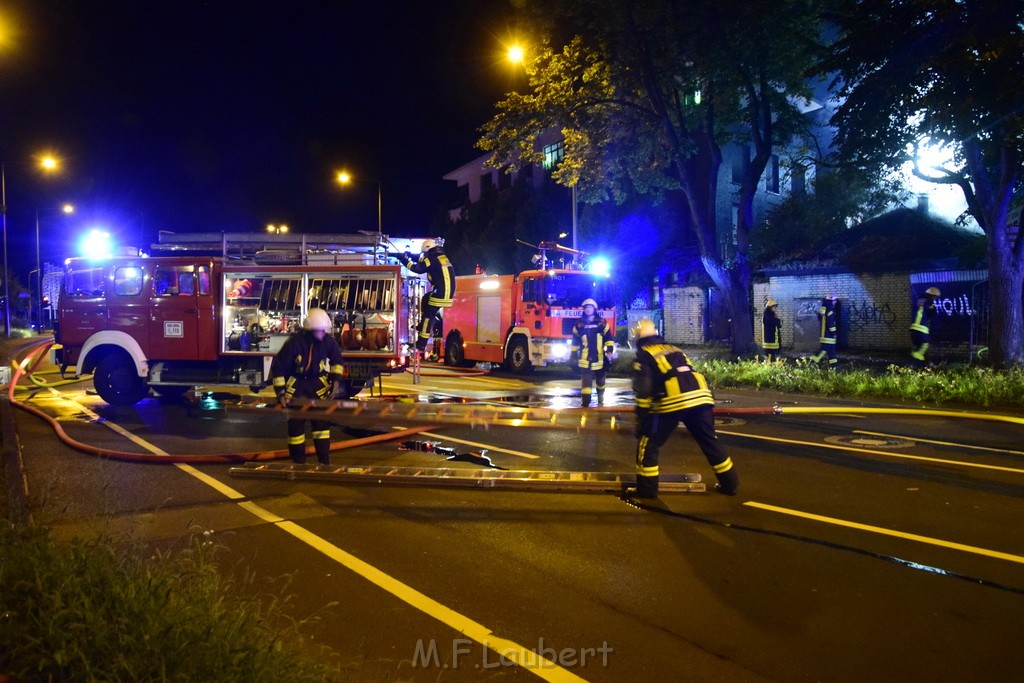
x,y
646,487
322,444
297,441
586,397
728,482
600,396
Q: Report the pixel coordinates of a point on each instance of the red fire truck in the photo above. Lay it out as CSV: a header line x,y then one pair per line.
x,y
524,320
173,322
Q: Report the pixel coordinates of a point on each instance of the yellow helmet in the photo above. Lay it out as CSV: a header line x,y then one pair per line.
x,y
588,302
770,302
317,319
644,327
933,291
427,245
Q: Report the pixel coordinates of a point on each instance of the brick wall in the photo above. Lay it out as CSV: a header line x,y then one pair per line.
x,y
684,311
874,308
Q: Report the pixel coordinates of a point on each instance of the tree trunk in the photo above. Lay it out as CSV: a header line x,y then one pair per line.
x,y
1006,301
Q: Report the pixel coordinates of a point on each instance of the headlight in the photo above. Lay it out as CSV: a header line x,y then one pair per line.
x,y
558,350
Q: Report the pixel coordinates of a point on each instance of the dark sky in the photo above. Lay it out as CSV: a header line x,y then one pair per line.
x,y
226,115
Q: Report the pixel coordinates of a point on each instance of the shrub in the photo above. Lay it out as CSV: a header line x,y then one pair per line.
x,y
100,610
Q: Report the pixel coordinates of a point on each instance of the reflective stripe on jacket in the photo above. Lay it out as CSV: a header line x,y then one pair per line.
x,y
590,339
664,381
771,330
305,368
440,274
827,316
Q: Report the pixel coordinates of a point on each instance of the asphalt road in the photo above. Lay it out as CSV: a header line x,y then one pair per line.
x,y
862,558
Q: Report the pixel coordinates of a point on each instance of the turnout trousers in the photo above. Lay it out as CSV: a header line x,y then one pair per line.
x,y
321,440
918,347
656,430
430,315
589,376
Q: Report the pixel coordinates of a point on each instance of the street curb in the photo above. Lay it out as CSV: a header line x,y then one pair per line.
x,y
15,481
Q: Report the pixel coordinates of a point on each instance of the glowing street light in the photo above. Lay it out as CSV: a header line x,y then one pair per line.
x,y
345,178
516,54
68,208
281,229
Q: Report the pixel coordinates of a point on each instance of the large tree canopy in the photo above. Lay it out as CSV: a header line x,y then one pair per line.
x,y
943,74
646,92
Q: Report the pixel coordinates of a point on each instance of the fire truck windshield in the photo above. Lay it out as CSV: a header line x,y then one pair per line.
x,y
568,290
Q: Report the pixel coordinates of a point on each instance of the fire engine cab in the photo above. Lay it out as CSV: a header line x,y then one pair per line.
x,y
176,321
523,320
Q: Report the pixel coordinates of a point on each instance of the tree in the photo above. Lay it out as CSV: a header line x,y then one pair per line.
x,y
647,92
946,75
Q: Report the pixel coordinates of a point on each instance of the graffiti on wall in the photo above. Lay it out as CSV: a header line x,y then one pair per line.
x,y
866,313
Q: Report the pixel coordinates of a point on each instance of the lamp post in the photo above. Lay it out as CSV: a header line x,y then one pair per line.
x,y
48,163
345,178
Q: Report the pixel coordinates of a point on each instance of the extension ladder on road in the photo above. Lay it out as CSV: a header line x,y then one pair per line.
x,y
469,478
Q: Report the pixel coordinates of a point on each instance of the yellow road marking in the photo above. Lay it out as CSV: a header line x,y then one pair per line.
x,y
510,650
887,454
942,443
890,532
482,445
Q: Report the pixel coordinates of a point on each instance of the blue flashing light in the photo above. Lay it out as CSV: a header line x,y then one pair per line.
x,y
96,244
599,265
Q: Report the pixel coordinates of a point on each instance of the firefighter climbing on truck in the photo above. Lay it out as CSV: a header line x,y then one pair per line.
x,y
441,276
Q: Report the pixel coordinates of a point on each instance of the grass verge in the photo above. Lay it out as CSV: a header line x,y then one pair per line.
x,y
101,610
970,385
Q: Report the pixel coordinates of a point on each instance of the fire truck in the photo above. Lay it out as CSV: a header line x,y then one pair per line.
x,y
525,320
214,309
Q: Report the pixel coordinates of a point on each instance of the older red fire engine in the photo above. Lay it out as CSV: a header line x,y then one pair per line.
x,y
522,320
173,322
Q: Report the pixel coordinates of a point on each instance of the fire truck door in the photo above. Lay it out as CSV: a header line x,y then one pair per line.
x,y
174,314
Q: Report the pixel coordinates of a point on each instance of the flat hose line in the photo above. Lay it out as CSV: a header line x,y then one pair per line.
x,y
35,355
633,502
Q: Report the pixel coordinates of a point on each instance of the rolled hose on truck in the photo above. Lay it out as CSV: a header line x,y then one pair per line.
x,y
35,356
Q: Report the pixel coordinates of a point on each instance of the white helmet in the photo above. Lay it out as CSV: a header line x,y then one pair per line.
x,y
644,327
317,319
428,244
588,302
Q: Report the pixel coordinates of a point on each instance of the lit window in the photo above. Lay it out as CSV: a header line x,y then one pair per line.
x,y
553,154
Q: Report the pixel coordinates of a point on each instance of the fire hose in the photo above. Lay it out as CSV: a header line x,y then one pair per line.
x,y
35,357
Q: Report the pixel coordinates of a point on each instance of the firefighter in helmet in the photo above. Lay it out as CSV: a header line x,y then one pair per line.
x,y
441,276
920,328
771,328
828,332
308,366
668,391
592,350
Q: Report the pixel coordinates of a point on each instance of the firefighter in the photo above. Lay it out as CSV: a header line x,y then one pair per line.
x,y
308,366
593,350
441,275
828,332
920,328
771,328
668,392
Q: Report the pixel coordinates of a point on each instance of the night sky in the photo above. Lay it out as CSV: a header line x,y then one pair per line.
x,y
227,115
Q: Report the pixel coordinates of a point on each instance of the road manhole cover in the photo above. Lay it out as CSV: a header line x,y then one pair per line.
x,y
729,422
867,441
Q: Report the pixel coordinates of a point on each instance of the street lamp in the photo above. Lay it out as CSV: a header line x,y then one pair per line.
x,y
48,163
281,229
516,54
345,178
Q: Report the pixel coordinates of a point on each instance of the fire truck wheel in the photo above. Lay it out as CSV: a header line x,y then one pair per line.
x,y
116,381
517,356
454,354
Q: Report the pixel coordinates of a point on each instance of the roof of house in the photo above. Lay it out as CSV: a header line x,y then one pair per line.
x,y
903,239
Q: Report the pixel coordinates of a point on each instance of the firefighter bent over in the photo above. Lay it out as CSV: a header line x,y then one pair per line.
x,y
668,392
593,349
828,332
921,327
771,329
308,366
441,276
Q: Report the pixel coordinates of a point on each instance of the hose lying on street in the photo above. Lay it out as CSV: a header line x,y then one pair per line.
x,y
35,356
